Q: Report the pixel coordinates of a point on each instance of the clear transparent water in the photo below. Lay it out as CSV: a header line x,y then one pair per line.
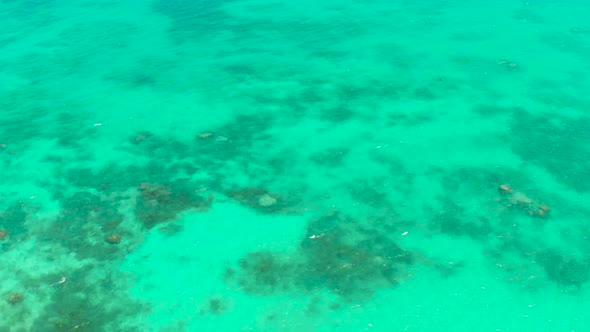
x,y
294,166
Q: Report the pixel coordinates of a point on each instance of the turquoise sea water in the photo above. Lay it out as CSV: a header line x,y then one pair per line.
x,y
254,165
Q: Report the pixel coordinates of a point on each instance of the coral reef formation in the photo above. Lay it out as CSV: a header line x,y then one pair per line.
x,y
338,254
160,203
523,202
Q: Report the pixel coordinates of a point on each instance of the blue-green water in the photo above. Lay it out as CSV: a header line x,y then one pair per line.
x,y
249,165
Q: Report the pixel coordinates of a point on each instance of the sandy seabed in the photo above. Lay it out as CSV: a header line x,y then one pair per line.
x,y
175,165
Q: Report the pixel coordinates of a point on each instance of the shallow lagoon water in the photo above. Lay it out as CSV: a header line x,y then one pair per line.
x,y
175,165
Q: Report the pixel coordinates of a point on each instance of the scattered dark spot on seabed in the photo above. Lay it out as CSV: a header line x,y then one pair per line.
x,y
103,214
337,254
351,258
563,139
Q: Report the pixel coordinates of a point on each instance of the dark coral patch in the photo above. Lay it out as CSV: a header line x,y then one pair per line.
x,y
566,271
12,220
158,203
350,262
337,254
85,217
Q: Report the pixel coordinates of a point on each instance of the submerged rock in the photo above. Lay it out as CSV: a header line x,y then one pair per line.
x,y
15,298
522,201
267,200
113,238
